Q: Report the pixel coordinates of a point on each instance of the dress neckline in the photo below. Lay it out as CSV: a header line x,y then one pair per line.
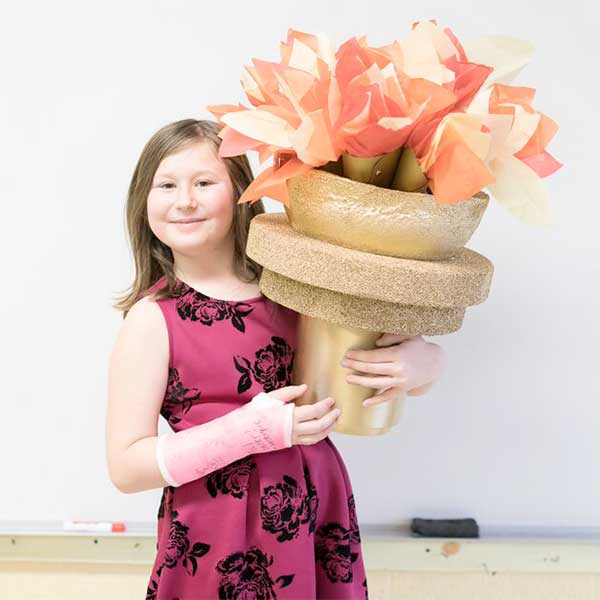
x,y
245,301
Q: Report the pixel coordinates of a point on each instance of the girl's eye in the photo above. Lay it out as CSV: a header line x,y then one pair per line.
x,y
202,184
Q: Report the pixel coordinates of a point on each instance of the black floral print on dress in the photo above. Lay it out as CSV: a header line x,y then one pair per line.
x,y
178,547
282,508
272,367
153,586
285,506
178,399
246,575
232,479
333,551
166,501
354,531
311,502
195,306
152,591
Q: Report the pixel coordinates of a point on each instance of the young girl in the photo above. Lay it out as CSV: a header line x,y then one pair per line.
x,y
256,499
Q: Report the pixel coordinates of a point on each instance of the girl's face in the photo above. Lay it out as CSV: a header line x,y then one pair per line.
x,y
192,185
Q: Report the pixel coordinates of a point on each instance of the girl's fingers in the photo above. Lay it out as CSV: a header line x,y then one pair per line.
x,y
376,382
313,439
388,368
386,396
308,412
388,339
317,426
288,393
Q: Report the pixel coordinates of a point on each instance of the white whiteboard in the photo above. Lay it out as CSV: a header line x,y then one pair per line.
x,y
510,436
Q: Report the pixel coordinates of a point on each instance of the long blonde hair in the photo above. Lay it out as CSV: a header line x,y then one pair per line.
x,y
153,259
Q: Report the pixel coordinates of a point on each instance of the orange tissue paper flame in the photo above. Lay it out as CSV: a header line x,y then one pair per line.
x,y
451,103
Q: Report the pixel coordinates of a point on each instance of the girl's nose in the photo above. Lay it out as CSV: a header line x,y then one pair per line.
x,y
186,199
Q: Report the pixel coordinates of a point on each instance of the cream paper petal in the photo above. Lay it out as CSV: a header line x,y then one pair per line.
x,y
326,49
499,126
520,190
320,44
421,58
436,73
250,86
524,126
480,103
260,125
300,139
287,91
463,126
443,43
508,55
468,129
303,58
394,123
312,141
372,75
509,132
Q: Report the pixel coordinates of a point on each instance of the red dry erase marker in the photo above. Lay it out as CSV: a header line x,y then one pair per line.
x,y
94,526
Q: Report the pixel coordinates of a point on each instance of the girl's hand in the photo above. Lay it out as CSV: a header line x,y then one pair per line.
x,y
405,364
311,423
314,422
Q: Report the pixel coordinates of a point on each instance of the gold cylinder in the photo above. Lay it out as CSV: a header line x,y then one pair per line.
x,y
320,348
409,176
376,170
333,166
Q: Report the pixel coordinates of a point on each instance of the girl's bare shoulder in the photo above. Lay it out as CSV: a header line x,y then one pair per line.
x,y
145,322
145,309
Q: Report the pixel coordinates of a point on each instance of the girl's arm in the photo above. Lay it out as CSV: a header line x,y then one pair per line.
x,y
137,380
138,460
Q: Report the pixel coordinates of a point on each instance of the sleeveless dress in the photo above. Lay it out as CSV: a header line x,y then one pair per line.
x,y
274,525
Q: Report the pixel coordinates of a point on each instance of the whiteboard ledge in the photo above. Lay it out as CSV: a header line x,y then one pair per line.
x,y
385,548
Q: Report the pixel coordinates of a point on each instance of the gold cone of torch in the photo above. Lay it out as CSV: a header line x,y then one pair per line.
x,y
362,254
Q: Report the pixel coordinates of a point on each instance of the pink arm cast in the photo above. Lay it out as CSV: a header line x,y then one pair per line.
x,y
262,425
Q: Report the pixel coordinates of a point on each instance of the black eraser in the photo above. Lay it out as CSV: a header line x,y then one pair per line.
x,y
454,528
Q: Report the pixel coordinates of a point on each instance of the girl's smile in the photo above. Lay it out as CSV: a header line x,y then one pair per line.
x,y
188,224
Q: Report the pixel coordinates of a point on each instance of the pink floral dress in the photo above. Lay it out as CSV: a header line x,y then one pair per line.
x,y
276,525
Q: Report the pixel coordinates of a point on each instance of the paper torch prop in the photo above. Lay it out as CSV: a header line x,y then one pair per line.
x,y
380,156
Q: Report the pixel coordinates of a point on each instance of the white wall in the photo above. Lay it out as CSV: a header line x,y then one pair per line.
x,y
509,436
